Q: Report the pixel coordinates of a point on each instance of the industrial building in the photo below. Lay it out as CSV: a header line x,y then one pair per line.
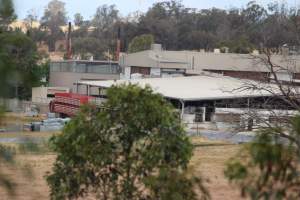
x,y
157,62
206,98
67,72
203,86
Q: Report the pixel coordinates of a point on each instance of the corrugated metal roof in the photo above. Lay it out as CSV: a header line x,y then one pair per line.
x,y
193,87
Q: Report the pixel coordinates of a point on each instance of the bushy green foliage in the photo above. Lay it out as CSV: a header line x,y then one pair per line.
x,y
175,185
240,45
7,155
78,19
122,151
2,114
54,17
268,168
85,46
19,71
141,43
7,14
9,161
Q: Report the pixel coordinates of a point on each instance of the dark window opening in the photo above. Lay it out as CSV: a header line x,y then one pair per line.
x,y
50,95
208,113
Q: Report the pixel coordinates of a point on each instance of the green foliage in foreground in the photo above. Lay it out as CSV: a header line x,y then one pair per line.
x,y
7,157
9,162
2,114
134,148
268,168
19,71
7,14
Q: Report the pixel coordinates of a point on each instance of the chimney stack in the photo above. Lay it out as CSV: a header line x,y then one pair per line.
x,y
69,45
118,50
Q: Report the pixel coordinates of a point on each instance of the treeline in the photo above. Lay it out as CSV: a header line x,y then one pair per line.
x,y
177,27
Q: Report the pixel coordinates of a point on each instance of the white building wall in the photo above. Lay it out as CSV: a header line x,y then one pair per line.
x,y
40,94
127,72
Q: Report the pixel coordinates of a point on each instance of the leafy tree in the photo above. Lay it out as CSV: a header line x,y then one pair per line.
x,y
279,28
2,114
37,34
201,40
268,168
19,71
7,156
172,184
105,21
30,18
78,19
179,28
54,17
85,46
7,14
140,43
123,151
9,41
162,22
128,28
240,45
105,17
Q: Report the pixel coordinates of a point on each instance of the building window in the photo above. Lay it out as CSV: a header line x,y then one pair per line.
x,y
88,67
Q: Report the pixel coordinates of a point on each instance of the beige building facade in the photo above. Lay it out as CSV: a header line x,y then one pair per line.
x,y
66,73
159,63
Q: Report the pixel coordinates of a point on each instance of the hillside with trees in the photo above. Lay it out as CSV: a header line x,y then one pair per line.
x,y
176,27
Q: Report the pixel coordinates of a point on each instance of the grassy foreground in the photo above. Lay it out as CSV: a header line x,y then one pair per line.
x,y
208,161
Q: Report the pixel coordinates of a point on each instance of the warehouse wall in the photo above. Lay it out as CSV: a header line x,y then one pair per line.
x,y
66,79
258,76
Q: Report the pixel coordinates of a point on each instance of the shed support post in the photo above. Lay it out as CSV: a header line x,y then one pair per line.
x,y
248,103
77,90
88,90
204,114
182,109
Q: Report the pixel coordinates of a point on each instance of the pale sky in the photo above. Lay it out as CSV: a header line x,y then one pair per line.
x,y
88,7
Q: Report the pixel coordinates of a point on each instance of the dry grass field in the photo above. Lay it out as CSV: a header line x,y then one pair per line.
x,y
208,161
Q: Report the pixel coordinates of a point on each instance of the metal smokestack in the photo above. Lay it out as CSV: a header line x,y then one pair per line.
x,y
68,42
118,50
